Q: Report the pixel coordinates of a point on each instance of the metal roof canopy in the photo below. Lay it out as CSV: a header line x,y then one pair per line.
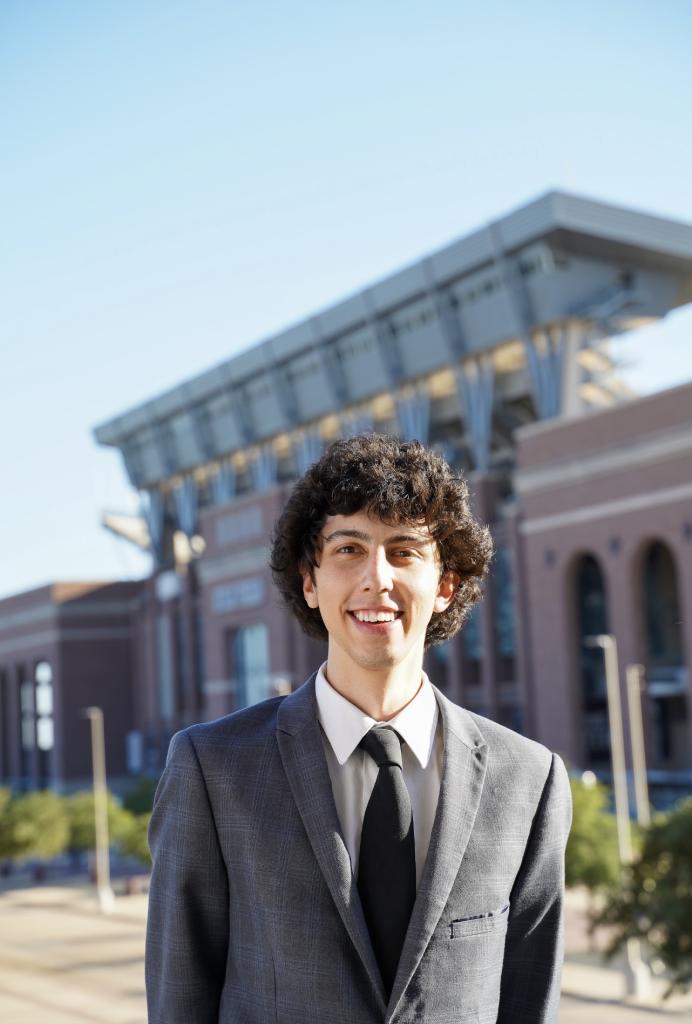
x,y
560,259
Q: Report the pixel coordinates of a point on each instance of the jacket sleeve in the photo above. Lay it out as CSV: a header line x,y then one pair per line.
x,y
187,925
534,949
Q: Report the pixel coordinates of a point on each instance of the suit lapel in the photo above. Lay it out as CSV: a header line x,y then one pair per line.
x,y
302,753
463,773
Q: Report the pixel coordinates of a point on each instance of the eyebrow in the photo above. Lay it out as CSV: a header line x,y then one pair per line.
x,y
400,538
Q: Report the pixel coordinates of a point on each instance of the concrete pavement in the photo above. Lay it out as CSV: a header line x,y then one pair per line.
x,y
63,962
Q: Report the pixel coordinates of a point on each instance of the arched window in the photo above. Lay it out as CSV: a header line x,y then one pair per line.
x,y
592,620
664,641
665,661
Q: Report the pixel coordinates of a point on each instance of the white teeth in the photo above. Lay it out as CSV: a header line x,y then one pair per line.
x,y
375,616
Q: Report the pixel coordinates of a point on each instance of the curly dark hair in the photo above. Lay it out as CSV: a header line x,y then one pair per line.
x,y
397,482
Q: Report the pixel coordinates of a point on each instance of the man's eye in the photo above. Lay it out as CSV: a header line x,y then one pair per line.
x,y
346,549
404,553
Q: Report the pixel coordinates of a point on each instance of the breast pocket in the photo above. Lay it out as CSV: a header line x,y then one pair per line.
x,y
480,924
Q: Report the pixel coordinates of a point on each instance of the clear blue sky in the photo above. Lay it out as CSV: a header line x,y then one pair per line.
x,y
180,179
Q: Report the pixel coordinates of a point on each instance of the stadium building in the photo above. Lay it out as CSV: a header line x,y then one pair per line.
x,y
497,351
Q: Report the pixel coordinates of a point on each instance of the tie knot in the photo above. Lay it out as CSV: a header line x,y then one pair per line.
x,y
383,745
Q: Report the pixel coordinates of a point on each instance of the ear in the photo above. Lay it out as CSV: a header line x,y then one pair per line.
x,y
446,590
309,590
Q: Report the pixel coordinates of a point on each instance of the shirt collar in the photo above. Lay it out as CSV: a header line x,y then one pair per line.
x,y
345,725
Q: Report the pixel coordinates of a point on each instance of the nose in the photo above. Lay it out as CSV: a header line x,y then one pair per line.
x,y
377,576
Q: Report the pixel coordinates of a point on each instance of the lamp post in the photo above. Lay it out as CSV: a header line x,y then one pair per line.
x,y
637,975
106,896
635,679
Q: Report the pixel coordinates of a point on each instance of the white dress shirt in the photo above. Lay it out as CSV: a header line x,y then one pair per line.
x,y
353,772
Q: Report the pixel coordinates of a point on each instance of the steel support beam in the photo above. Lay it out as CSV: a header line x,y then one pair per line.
x,y
413,411
263,468
387,340
202,428
475,390
153,509
239,407
331,364
446,307
185,498
165,446
284,391
307,449
223,483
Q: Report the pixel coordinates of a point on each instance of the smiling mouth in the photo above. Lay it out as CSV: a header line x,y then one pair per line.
x,y
375,617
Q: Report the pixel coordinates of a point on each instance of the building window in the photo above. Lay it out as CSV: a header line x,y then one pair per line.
x,y
45,739
592,620
665,661
436,665
248,663
662,607
472,646
504,614
198,654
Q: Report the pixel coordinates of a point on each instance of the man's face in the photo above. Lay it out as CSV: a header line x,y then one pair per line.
x,y
376,587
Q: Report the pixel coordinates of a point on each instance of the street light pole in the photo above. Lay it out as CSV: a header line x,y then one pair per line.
x,y
634,676
637,975
106,896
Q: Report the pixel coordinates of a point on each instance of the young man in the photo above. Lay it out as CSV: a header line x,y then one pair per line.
x,y
362,850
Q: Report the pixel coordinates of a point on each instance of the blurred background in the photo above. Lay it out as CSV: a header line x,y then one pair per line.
x,y
235,232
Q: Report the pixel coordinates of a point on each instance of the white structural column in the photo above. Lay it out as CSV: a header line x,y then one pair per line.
x,y
573,338
263,468
544,353
185,499
307,449
223,483
475,389
413,411
552,358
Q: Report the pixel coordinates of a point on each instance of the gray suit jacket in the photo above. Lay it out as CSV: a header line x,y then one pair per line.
x,y
254,913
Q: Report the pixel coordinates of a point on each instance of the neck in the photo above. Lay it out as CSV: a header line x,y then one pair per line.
x,y
380,693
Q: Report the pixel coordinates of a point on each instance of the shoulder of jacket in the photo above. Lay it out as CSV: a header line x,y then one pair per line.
x,y
249,725
505,744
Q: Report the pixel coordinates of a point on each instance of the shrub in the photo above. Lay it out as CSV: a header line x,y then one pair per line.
x,y
80,815
36,825
654,900
133,842
140,799
592,857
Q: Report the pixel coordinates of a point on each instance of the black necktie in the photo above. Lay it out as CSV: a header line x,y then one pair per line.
x,y
387,861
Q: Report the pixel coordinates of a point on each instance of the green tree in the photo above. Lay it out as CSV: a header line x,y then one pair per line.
x,y
654,900
140,799
37,825
592,857
8,842
80,815
134,843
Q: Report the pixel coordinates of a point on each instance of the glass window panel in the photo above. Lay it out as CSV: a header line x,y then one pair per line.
x,y
44,700
43,673
44,733
504,603
28,735
251,664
